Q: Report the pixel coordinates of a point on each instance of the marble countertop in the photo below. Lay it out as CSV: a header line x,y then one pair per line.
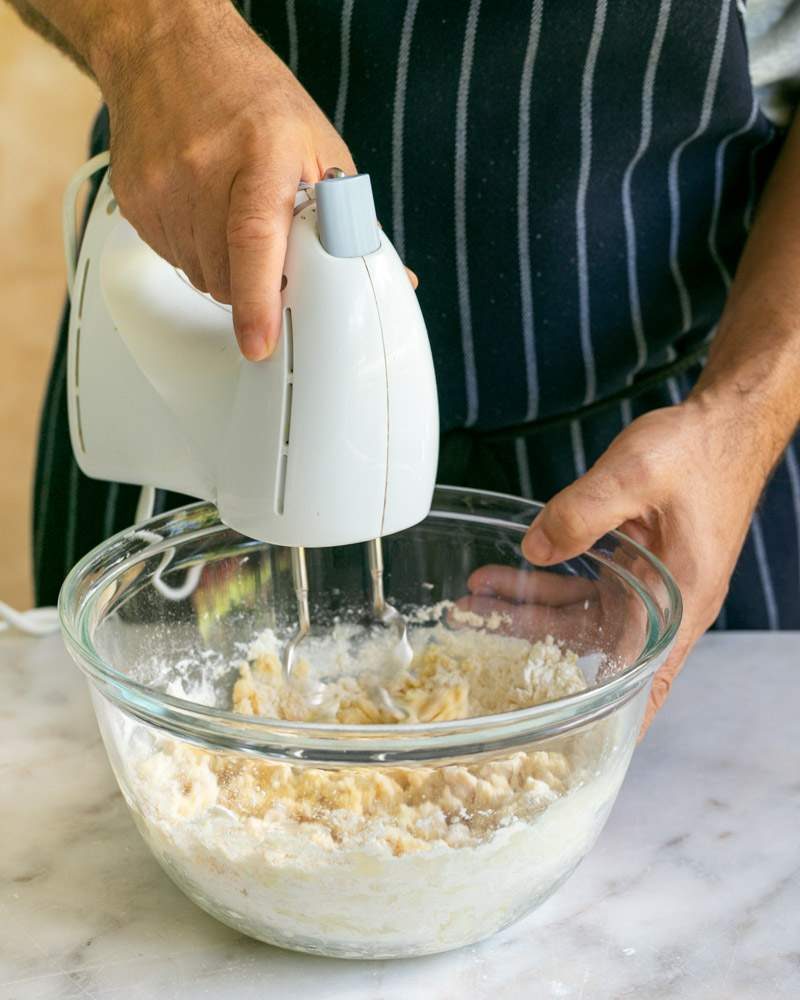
x,y
693,890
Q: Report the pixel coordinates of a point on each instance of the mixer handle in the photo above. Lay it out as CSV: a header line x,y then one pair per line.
x,y
69,212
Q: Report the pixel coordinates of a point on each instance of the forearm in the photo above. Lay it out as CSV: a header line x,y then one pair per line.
x,y
36,20
97,34
754,363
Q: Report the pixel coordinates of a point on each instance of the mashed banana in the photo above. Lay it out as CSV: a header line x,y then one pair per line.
x,y
457,676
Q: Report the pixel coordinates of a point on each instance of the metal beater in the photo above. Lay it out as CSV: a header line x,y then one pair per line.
x,y
382,611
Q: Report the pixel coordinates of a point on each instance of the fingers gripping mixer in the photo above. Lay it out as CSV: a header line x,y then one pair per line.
x,y
331,441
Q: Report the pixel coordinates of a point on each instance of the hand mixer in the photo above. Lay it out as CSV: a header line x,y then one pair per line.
x,y
331,441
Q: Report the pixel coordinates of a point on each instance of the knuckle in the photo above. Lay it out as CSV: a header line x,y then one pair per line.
x,y
568,521
287,130
251,134
153,183
193,161
250,228
601,485
641,466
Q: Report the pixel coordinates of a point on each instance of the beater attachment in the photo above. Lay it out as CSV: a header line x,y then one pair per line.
x,y
401,655
300,582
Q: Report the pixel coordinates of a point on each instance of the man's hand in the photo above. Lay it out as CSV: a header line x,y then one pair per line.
x,y
683,482
211,135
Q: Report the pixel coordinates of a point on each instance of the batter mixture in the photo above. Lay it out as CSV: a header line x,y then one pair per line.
x,y
423,857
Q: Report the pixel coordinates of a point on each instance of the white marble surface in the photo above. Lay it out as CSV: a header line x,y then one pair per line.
x,y
693,890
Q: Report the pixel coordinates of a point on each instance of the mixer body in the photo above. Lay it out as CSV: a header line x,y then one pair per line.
x,y
332,440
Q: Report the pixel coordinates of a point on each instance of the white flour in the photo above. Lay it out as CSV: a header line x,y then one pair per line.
x,y
369,861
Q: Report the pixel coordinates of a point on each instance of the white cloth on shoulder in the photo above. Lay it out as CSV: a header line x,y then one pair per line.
x,y
773,38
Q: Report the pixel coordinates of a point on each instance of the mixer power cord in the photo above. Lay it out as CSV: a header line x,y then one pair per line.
x,y
39,622
36,623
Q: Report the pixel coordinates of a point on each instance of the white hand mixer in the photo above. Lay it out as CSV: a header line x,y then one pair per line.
x,y
331,441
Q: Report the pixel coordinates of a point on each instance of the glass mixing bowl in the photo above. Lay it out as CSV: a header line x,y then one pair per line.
x,y
375,840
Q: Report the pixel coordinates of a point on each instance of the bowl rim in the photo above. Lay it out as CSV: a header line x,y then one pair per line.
x,y
225,729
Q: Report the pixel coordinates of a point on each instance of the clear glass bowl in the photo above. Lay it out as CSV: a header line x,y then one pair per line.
x,y
289,831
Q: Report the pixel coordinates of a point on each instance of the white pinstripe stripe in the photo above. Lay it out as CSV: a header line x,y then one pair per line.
x,y
111,510
751,197
460,191
673,388
523,468
247,10
398,125
763,572
59,381
344,64
719,163
523,212
722,618
794,484
706,108
587,84
578,451
626,412
291,24
72,515
645,135
674,391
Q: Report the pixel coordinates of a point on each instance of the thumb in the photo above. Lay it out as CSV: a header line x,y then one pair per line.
x,y
577,516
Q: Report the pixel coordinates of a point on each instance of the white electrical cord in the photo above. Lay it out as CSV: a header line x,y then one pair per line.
x,y
69,221
189,585
144,508
39,622
144,511
44,621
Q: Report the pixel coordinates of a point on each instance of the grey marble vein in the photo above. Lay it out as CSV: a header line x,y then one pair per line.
x,y
692,892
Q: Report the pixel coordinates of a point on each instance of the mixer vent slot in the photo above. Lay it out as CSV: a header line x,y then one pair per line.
x,y
289,335
78,357
287,414
281,498
83,288
77,392
286,423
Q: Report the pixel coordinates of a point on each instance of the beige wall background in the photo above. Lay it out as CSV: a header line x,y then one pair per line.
x,y
46,107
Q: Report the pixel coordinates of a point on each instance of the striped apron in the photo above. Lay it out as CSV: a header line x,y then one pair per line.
x,y
573,180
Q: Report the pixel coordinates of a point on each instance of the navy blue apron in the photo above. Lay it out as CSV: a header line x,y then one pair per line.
x,y
573,181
